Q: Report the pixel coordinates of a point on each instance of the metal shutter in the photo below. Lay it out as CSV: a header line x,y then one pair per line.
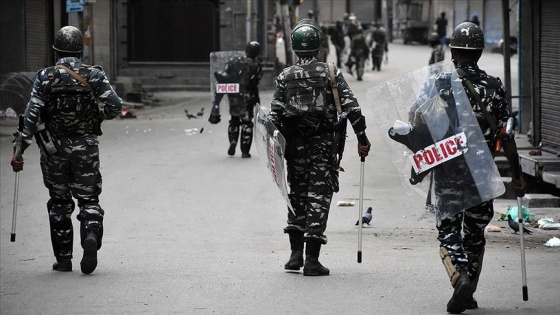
x,y
36,37
550,74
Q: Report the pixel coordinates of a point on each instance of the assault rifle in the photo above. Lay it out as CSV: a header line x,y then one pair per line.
x,y
340,138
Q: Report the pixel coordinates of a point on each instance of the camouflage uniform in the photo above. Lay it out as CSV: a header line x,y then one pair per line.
x,y
465,250
241,106
303,110
359,52
378,47
73,117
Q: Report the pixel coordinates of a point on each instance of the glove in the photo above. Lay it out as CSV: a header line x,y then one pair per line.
x,y
17,163
518,186
363,145
214,119
215,114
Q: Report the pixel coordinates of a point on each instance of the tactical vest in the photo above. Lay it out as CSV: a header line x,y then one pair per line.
x,y
306,89
72,109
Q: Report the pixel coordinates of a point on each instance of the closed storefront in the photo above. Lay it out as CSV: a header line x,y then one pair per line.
x,y
549,74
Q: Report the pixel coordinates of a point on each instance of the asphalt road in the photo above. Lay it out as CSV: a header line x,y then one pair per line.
x,y
189,230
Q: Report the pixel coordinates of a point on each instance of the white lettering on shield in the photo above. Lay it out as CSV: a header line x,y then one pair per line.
x,y
272,160
225,88
438,153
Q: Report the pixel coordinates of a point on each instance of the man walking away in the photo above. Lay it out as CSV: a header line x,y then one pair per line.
x,y
65,118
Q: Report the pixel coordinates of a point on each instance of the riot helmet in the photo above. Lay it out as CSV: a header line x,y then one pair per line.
x,y
68,40
252,49
306,36
433,38
467,35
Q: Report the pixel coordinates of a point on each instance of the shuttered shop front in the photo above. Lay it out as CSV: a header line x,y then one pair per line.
x,y
550,74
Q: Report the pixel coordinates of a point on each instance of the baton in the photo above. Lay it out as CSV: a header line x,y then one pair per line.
x,y
17,151
517,175
361,206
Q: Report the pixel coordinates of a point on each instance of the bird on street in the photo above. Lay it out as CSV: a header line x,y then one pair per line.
x,y
515,226
366,217
200,113
189,116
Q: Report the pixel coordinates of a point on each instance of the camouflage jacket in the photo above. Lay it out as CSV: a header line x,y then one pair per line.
x,y
492,95
42,101
297,95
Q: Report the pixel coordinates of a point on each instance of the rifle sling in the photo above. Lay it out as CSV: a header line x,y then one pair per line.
x,y
476,97
75,75
334,87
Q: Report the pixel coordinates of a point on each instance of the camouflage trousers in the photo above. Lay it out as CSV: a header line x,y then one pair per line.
x,y
462,234
310,178
73,172
244,125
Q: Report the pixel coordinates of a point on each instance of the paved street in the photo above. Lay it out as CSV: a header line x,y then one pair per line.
x,y
190,230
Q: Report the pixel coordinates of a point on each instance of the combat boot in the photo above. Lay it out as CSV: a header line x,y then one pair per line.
x,y
62,265
312,265
296,244
246,140
471,301
89,260
231,150
461,295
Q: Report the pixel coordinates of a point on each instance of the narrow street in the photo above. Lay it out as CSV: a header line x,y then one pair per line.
x,y
190,230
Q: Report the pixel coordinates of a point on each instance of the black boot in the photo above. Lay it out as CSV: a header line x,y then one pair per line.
x,y
233,135
312,265
231,150
62,265
471,301
89,260
246,139
462,294
296,258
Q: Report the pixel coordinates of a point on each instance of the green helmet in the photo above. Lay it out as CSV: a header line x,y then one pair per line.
x,y
467,35
306,37
252,49
68,40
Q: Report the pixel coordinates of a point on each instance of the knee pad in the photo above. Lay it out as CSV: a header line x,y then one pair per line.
x,y
449,267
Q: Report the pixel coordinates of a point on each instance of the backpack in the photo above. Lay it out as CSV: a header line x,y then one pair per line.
x,y
72,107
306,87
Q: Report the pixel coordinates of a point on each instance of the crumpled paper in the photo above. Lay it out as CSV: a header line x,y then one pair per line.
x,y
548,224
553,242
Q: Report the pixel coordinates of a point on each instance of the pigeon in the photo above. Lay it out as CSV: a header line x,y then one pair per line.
x,y
200,113
515,226
366,217
189,116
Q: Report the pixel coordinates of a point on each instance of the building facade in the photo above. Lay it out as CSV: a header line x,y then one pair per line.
x,y
166,43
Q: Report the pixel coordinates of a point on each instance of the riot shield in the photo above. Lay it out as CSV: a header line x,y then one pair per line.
x,y
271,145
218,60
428,125
219,83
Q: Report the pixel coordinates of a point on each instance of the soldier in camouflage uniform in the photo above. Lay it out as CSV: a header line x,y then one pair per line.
x,y
247,71
378,44
303,109
65,118
359,52
461,235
